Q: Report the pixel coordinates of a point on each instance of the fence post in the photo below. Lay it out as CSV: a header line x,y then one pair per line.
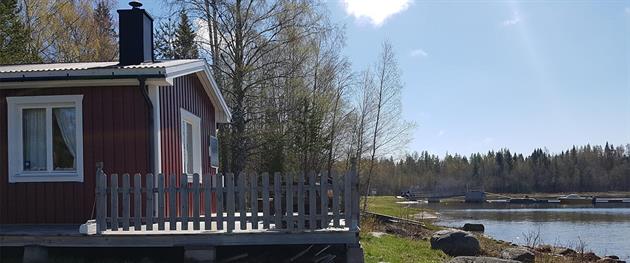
x,y
101,208
355,195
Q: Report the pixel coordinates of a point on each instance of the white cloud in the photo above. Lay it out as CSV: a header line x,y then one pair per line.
x,y
418,53
488,140
375,11
515,19
627,9
441,133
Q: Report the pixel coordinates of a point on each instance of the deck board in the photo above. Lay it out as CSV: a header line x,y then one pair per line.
x,y
69,236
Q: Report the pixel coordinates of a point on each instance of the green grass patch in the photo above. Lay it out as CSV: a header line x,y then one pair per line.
x,y
386,205
390,248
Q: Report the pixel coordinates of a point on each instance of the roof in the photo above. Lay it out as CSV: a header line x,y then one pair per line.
x,y
159,73
90,65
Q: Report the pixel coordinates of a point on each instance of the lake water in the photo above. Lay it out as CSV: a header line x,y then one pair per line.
x,y
603,228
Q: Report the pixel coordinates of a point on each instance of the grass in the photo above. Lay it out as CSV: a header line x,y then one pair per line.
x,y
390,248
386,205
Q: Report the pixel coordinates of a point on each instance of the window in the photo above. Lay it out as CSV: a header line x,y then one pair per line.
x,y
191,144
214,152
45,136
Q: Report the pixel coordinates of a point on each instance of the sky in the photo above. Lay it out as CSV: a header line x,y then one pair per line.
x,y
486,75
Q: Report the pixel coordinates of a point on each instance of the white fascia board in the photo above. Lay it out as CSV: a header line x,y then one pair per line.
x,y
101,72
81,83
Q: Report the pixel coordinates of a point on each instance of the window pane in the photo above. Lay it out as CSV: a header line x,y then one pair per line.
x,y
64,139
34,139
189,149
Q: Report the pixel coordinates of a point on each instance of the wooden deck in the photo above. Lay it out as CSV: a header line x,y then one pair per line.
x,y
244,210
69,236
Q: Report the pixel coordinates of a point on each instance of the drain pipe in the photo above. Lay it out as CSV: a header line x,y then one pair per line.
x,y
143,90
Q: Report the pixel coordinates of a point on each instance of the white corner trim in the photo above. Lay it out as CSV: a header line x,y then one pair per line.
x,y
154,96
15,105
193,119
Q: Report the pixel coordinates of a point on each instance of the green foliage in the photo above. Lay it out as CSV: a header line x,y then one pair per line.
x,y
14,35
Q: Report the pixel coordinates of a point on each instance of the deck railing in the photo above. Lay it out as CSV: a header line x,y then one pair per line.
x,y
226,203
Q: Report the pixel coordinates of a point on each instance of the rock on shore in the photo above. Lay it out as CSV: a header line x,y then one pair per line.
x,y
481,260
518,254
456,243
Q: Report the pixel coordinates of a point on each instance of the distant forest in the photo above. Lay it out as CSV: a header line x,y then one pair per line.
x,y
579,169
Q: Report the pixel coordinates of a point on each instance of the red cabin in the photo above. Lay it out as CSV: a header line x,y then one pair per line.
x,y
68,130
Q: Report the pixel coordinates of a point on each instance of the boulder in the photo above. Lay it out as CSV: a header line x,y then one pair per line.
x,y
590,256
567,252
481,260
518,254
455,243
474,227
610,259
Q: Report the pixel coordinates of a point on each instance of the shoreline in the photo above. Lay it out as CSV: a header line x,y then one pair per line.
x,y
491,246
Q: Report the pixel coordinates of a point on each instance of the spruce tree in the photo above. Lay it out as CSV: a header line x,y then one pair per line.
x,y
185,45
106,47
14,36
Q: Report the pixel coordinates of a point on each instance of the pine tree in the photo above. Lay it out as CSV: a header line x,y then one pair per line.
x,y
185,45
14,36
106,47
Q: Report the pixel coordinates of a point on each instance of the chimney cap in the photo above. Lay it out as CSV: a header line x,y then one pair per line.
x,y
135,4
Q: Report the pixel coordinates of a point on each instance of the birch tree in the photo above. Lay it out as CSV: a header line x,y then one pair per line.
x,y
389,131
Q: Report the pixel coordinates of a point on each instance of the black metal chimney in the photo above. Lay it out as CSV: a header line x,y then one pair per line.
x,y
135,35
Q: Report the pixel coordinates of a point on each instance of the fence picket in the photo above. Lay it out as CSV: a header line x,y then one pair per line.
x,y
265,200
254,199
289,201
207,201
114,204
172,202
183,199
195,201
242,197
161,208
300,199
125,202
230,202
101,195
277,200
347,201
149,213
335,199
312,203
323,194
219,193
137,200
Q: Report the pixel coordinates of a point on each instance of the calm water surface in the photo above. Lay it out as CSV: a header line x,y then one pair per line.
x,y
603,228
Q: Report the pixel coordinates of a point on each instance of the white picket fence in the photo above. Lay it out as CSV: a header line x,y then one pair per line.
x,y
290,203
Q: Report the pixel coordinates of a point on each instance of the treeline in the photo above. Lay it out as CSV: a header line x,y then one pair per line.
x,y
579,169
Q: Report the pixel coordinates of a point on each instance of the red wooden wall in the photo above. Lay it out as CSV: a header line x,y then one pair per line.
x,y
115,131
186,93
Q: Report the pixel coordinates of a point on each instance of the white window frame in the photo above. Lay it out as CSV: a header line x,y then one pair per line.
x,y
15,107
195,121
